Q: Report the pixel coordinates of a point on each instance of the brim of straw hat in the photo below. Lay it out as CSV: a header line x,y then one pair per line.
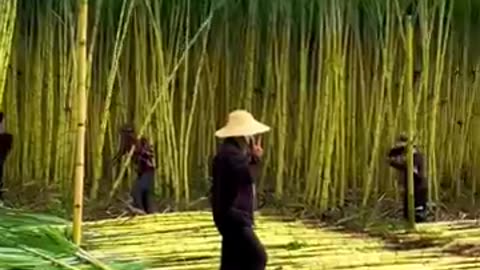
x,y
250,128
403,144
127,128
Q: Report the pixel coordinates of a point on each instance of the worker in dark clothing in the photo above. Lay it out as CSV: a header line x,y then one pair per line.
x,y
234,170
6,140
397,159
143,156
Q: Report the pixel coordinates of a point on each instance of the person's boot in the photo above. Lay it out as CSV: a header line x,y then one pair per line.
x,y
420,214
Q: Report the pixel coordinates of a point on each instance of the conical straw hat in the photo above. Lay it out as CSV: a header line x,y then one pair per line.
x,y
241,123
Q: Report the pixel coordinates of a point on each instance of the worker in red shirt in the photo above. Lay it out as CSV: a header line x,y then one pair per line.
x,y
143,157
397,159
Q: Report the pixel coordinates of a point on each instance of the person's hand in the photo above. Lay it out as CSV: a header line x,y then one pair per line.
x,y
257,149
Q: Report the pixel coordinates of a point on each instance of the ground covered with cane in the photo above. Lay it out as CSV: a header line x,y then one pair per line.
x,y
188,240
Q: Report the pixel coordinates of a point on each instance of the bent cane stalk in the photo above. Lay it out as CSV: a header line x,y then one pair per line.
x,y
117,182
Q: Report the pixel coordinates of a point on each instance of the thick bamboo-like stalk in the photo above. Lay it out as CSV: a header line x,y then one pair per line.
x,y
299,150
282,71
343,126
35,98
267,92
48,102
380,114
193,110
318,119
439,68
8,9
62,134
410,113
335,71
426,27
82,111
183,110
250,52
352,117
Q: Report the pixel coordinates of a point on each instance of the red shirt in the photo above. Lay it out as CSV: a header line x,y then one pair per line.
x,y
144,156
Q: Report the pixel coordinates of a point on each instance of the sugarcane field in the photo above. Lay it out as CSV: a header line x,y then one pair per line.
x,y
239,134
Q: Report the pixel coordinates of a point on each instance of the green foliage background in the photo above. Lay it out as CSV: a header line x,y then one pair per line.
x,y
328,76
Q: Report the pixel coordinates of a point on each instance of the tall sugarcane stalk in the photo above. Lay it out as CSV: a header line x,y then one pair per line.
x,y
442,39
82,116
282,56
335,70
380,114
298,150
410,113
318,119
183,107
426,27
8,9
193,110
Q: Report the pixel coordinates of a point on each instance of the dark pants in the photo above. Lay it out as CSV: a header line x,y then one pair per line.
x,y
142,192
2,161
420,204
242,250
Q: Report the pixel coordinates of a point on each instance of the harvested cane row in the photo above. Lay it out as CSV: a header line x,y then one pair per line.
x,y
189,241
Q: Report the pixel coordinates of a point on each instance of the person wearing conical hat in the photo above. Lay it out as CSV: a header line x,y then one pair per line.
x,y
397,159
232,195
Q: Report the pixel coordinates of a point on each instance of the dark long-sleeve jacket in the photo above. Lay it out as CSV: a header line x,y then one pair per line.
x,y
6,140
232,193
420,181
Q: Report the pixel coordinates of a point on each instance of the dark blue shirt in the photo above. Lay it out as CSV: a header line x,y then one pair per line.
x,y
232,197
419,177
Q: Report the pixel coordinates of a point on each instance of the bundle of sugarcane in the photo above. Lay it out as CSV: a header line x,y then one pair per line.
x,y
35,241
